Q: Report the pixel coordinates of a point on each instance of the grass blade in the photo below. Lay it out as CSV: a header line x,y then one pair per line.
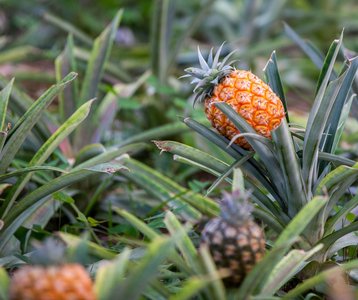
x,y
193,154
329,240
251,167
191,288
227,173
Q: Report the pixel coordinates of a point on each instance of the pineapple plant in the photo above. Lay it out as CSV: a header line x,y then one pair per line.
x,y
235,241
291,169
247,94
50,277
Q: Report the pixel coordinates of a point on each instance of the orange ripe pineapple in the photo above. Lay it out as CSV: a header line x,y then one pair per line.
x,y
50,277
68,281
247,94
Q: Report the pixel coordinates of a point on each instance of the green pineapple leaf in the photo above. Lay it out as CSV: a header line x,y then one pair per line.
x,y
341,214
315,55
216,287
286,269
21,129
265,150
257,278
145,272
45,151
184,243
274,81
317,119
294,186
93,248
109,274
339,114
182,200
147,231
94,72
64,64
34,200
319,278
4,99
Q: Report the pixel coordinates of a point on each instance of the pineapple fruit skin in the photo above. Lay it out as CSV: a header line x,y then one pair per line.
x,y
250,97
67,282
234,248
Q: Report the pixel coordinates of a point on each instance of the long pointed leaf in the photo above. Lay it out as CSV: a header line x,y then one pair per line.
x,y
25,124
264,150
317,119
274,80
64,64
100,53
142,274
291,171
288,267
184,243
94,72
335,121
46,150
317,279
4,99
35,199
258,276
110,274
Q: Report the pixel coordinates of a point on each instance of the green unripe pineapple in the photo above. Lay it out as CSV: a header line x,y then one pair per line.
x,y
235,241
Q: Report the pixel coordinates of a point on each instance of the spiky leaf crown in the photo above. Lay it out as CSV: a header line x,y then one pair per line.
x,y
209,74
51,252
236,207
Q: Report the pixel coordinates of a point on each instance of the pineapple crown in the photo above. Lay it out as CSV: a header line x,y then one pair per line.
x,y
51,252
236,207
54,251
210,73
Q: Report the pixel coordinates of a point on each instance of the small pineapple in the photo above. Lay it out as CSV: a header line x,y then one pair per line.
x,y
235,241
248,95
60,281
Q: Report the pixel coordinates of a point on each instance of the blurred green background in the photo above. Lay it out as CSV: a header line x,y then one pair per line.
x,y
34,33
157,39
